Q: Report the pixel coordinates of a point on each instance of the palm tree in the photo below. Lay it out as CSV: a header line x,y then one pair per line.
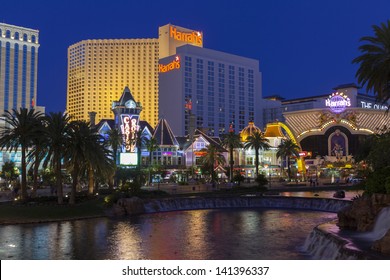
x,y
288,149
374,69
20,127
139,142
57,125
151,146
257,141
211,158
115,140
74,157
38,151
98,158
86,151
231,141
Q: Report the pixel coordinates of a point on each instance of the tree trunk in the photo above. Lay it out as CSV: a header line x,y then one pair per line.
x,y
150,166
24,176
72,199
91,186
288,169
60,194
257,163
231,165
35,177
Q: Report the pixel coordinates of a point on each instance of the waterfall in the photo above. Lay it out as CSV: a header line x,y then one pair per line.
x,y
324,244
381,226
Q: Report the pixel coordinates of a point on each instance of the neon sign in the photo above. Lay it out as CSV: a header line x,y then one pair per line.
x,y
369,105
175,64
129,130
194,37
337,102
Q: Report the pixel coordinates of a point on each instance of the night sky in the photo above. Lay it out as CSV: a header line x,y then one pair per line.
x,y
304,47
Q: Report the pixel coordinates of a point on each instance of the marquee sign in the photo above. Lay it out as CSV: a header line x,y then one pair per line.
x,y
175,64
129,127
337,102
194,37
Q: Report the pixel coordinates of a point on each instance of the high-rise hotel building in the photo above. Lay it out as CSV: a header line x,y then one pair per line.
x,y
99,70
18,67
209,90
229,91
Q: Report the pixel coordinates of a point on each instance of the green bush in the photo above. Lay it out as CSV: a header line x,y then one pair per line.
x,y
378,181
238,178
261,180
387,185
111,199
182,183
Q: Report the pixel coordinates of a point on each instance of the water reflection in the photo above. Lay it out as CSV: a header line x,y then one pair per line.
x,y
200,234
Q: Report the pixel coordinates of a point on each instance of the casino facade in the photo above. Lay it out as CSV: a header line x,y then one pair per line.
x,y
330,127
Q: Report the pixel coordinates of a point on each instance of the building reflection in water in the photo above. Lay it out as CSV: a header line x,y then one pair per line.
x,y
198,234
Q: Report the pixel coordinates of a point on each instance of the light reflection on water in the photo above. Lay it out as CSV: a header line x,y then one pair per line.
x,y
198,234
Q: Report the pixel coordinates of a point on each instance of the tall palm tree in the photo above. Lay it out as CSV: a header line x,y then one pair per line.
x,y
374,69
151,146
211,158
231,141
20,127
74,157
115,140
86,151
257,141
38,151
57,125
139,143
98,157
288,148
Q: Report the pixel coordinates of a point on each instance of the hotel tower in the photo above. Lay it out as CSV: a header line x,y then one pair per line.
x,y
99,70
18,67
220,88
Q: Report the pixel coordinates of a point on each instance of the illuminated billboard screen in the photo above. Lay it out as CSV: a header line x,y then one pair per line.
x,y
129,127
128,158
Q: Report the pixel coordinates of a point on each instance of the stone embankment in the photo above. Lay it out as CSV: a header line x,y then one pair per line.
x,y
134,205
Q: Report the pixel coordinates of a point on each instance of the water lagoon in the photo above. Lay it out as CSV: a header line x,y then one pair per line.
x,y
189,235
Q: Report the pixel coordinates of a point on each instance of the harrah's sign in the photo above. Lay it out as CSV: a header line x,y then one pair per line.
x,y
337,102
175,64
194,37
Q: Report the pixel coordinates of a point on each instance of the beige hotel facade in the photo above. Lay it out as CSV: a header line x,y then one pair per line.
x,y
99,70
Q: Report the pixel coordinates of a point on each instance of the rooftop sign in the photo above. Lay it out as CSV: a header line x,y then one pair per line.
x,y
194,37
337,102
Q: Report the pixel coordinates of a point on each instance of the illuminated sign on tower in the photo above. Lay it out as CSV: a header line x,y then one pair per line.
x,y
194,37
127,112
129,129
175,64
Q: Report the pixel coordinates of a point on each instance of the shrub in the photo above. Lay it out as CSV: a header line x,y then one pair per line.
x,y
379,181
238,178
261,180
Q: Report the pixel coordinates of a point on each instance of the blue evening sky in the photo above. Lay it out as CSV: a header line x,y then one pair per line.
x,y
305,47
